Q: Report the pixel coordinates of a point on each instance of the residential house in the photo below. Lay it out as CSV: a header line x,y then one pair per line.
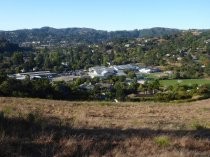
x,y
101,71
125,67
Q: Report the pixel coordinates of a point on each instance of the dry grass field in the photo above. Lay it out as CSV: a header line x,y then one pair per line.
x,y
36,127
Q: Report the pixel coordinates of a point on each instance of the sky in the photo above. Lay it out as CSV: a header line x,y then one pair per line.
x,y
105,14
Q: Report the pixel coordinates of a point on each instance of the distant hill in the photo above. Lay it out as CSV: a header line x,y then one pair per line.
x,y
79,35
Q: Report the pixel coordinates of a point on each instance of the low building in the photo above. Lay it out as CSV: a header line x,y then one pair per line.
x,y
118,70
101,71
120,73
145,70
125,67
141,81
33,75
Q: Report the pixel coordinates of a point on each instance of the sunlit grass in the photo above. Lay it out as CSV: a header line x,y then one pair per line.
x,y
185,82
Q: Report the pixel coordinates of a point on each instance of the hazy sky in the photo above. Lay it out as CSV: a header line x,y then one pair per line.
x,y
104,14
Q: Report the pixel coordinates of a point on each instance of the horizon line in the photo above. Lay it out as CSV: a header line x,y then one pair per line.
x,y
183,29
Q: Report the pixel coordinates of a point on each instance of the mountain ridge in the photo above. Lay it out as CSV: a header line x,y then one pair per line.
x,y
83,35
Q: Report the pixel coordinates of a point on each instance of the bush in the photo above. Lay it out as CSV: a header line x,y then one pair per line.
x,y
181,94
34,117
204,89
162,141
165,97
198,126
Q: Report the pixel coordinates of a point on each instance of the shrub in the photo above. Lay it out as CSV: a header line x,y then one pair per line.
x,y
34,117
182,95
198,126
162,141
165,97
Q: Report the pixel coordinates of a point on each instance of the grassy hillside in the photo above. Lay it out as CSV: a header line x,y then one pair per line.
x,y
35,127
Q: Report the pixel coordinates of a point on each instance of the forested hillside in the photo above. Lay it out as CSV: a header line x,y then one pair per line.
x,y
79,35
185,55
182,50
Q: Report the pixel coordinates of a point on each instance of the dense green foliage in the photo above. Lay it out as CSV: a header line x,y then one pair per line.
x,y
106,89
185,55
8,47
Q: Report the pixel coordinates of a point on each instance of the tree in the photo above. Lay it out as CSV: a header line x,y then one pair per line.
x,y
11,87
207,69
5,88
17,58
56,58
120,90
47,63
39,60
42,88
155,85
3,76
133,87
30,64
61,90
131,74
208,48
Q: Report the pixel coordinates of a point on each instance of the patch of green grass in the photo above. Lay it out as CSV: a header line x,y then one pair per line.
x,y
162,141
7,110
151,76
185,82
105,103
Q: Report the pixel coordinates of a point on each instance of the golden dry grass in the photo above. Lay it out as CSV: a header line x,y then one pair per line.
x,y
111,129
116,115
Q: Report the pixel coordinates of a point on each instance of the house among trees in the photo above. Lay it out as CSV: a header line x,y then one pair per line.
x,y
148,70
101,71
125,67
